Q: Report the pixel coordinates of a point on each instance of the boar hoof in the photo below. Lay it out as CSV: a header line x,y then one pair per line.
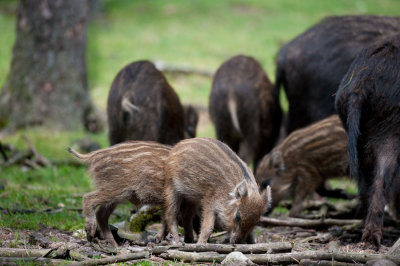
x,y
90,231
372,238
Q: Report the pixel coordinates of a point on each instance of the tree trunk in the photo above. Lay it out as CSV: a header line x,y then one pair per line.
x,y
47,81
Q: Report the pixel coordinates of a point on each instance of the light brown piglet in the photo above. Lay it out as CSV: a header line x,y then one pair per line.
x,y
208,176
131,171
304,161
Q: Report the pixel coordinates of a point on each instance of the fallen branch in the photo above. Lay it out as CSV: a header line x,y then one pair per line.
x,y
114,259
308,262
31,261
288,258
251,248
174,69
320,238
75,255
304,223
224,248
283,258
20,252
193,256
39,159
215,235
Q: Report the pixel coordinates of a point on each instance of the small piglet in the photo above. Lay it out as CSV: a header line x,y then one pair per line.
x,y
132,171
303,162
206,175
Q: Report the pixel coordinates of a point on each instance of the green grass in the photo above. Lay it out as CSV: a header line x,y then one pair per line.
x,y
198,33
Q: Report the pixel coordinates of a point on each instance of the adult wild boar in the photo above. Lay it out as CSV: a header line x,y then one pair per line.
x,y
245,108
368,104
130,171
143,106
208,176
303,161
311,66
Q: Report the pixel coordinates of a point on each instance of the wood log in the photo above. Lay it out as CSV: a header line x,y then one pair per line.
x,y
305,223
283,258
113,259
288,258
193,256
307,262
31,261
278,247
21,252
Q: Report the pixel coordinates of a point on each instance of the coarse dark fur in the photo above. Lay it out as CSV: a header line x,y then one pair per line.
x,y
302,163
311,66
245,108
130,171
208,176
143,106
368,102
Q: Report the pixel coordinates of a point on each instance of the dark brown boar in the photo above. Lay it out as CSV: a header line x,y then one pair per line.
x,y
305,159
244,108
143,106
368,104
311,66
208,176
131,171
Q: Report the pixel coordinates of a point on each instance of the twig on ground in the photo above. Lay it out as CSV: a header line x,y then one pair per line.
x,y
114,259
304,223
193,256
226,248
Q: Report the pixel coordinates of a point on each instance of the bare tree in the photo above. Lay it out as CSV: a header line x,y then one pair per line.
x,y
47,82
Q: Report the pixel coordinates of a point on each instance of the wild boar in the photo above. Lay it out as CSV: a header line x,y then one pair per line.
x,y
368,104
244,108
143,106
131,171
311,66
208,176
305,159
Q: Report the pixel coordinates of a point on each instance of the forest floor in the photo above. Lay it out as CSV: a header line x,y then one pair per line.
x,y
334,239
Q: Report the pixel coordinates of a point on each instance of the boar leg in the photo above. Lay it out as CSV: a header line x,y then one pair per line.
x,y
102,215
207,224
297,205
373,223
97,198
172,208
90,203
188,212
162,233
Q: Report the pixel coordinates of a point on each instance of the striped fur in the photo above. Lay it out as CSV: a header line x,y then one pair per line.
x,y
211,177
132,171
304,160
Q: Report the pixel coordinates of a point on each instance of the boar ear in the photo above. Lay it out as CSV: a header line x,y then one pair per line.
x,y
277,160
240,190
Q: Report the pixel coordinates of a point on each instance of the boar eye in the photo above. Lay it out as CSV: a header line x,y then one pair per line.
x,y
238,219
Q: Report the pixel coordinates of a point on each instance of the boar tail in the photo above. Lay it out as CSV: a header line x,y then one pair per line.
x,y
353,125
83,157
232,107
128,106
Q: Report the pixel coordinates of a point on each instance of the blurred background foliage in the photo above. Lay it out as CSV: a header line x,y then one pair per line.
x,y
197,33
